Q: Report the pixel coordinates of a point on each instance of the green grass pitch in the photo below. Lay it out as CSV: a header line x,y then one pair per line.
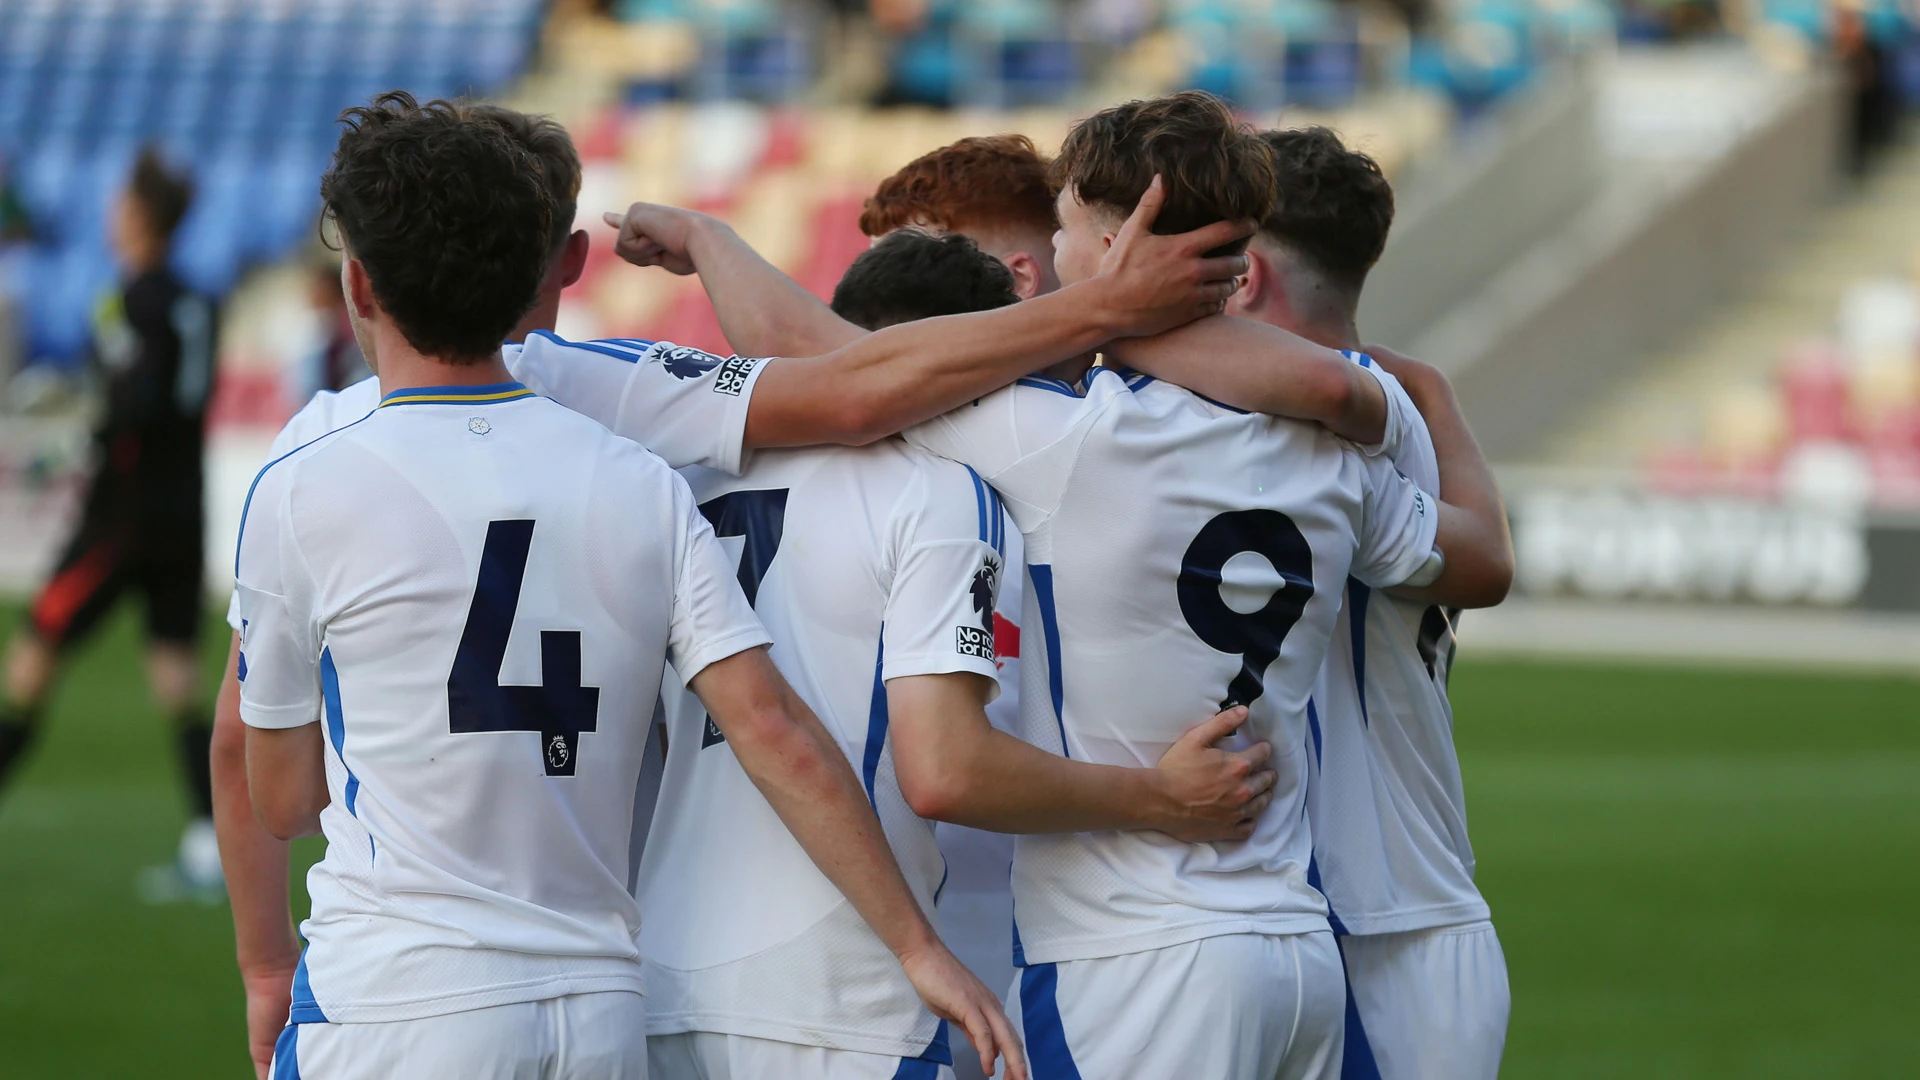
x,y
1695,874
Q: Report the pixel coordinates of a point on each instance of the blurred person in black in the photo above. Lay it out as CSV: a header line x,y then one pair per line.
x,y
141,523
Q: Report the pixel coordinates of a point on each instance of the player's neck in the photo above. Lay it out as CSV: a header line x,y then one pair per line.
x,y
402,367
1070,370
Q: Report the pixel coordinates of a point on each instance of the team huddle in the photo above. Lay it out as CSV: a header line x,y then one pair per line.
x,y
1074,581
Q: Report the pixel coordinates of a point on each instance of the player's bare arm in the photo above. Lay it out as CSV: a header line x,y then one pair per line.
x,y
782,319
287,779
1474,533
879,384
256,865
805,777
953,765
1261,368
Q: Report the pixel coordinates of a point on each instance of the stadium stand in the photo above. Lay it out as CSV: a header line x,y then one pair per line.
x,y
243,92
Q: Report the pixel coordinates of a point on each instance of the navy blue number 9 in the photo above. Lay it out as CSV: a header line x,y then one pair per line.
x,y
1256,635
559,708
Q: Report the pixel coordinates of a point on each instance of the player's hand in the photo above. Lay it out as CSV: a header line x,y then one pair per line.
x,y
1156,283
655,235
952,993
1214,794
269,1000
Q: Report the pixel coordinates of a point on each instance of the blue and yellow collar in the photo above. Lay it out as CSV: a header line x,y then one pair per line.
x,y
488,394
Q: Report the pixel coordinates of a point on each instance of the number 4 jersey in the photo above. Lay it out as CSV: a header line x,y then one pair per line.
x,y
1180,555
475,592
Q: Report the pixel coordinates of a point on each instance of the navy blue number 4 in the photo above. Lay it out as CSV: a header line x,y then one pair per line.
x,y
559,709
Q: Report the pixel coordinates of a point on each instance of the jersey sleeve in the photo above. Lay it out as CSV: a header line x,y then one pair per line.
x,y
279,664
1404,423
1023,439
711,617
1397,528
948,554
688,407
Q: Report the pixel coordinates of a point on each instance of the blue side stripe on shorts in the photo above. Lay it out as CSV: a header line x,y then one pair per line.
x,y
1358,1063
286,1054
917,1069
1047,1051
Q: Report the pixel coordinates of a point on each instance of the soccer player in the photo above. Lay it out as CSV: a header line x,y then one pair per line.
x,y
141,520
692,408
1112,481
875,568
1425,974
471,916
256,862
1139,501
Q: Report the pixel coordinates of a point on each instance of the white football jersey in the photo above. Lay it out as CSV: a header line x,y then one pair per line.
x,y
866,564
1179,555
687,406
476,591
1386,805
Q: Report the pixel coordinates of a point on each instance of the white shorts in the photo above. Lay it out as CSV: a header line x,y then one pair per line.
x,y
585,1036
1236,1007
708,1055
1426,1004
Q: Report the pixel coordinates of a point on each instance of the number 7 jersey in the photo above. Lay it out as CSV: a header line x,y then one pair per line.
x,y
1181,556
474,591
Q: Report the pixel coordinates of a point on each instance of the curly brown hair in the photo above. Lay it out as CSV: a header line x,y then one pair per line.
x,y
549,141
979,181
1214,168
450,216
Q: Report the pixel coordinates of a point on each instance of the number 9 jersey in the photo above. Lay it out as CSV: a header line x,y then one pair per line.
x,y
1181,556
475,591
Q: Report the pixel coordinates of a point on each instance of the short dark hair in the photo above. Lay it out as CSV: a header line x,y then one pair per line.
x,y
983,180
1332,205
548,140
1213,167
163,194
448,214
912,275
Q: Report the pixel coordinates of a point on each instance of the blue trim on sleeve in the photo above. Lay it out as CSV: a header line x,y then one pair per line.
x,y
614,347
1043,382
876,721
1041,575
979,502
1357,596
1047,1050
337,724
305,1009
286,1054
1313,730
251,488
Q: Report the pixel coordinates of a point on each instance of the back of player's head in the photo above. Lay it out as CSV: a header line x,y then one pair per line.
x,y
912,275
163,195
450,217
977,183
548,141
1332,207
1213,167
